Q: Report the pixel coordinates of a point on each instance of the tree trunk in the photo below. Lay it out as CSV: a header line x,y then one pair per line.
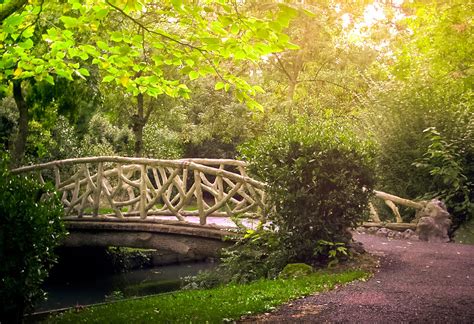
x,y
20,140
138,124
290,96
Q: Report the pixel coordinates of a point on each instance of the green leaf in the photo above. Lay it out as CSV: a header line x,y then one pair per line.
x,y
292,46
219,85
102,45
102,13
235,29
193,75
108,78
239,55
116,37
258,89
210,40
69,22
84,72
13,20
26,44
177,4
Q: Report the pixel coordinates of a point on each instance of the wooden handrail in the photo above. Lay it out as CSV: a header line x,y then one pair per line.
x,y
139,186
391,201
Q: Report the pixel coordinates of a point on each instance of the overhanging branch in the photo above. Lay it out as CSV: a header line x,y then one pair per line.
x,y
8,9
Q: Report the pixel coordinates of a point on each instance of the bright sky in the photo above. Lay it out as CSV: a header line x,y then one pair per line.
x,y
373,14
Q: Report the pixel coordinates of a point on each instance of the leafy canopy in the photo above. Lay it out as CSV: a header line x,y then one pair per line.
x,y
144,47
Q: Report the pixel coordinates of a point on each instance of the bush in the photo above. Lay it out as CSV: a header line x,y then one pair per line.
x,y
30,229
320,177
451,175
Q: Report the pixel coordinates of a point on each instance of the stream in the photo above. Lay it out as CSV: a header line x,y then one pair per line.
x,y
85,290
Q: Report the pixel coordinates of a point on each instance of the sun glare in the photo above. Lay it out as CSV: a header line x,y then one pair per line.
x,y
373,13
357,29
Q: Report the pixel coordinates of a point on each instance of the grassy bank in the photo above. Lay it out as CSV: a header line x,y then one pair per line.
x,y
213,305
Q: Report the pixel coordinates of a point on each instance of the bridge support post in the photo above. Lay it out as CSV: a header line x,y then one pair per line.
x,y
143,179
200,202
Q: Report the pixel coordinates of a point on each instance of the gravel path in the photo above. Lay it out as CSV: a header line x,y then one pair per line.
x,y
417,282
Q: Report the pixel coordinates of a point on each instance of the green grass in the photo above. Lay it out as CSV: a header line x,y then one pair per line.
x,y
211,306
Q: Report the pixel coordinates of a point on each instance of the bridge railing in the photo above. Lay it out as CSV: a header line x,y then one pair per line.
x,y
392,201
142,187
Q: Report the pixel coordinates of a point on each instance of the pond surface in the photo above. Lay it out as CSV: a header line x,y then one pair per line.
x,y
74,291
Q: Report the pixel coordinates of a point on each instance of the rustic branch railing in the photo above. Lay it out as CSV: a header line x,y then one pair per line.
x,y
391,201
149,187
126,187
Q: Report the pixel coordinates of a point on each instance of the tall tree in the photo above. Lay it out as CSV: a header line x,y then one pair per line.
x,y
192,39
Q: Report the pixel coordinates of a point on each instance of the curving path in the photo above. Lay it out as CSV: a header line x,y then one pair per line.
x,y
417,282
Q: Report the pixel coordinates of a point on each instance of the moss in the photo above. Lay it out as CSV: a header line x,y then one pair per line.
x,y
295,270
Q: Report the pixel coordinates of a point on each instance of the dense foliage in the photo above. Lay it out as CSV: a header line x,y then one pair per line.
x,y
422,114
30,229
320,177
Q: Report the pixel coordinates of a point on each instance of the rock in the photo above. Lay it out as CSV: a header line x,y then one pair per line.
x,y
414,238
391,234
382,232
408,233
372,230
398,235
434,222
360,229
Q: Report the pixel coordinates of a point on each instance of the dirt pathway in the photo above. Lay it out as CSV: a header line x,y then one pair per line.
x,y
417,283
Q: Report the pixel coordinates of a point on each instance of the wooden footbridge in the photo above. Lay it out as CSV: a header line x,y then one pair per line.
x,y
187,206
153,203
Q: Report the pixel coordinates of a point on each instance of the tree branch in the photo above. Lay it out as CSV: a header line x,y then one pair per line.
x,y
136,21
185,44
35,21
282,67
6,10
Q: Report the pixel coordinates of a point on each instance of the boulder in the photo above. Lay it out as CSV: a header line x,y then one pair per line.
x,y
356,247
434,222
391,234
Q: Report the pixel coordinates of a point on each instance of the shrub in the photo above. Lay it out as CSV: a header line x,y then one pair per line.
x,y
30,229
320,177
451,179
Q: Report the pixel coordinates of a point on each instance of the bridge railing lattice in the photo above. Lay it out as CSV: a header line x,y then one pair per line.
x,y
143,187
